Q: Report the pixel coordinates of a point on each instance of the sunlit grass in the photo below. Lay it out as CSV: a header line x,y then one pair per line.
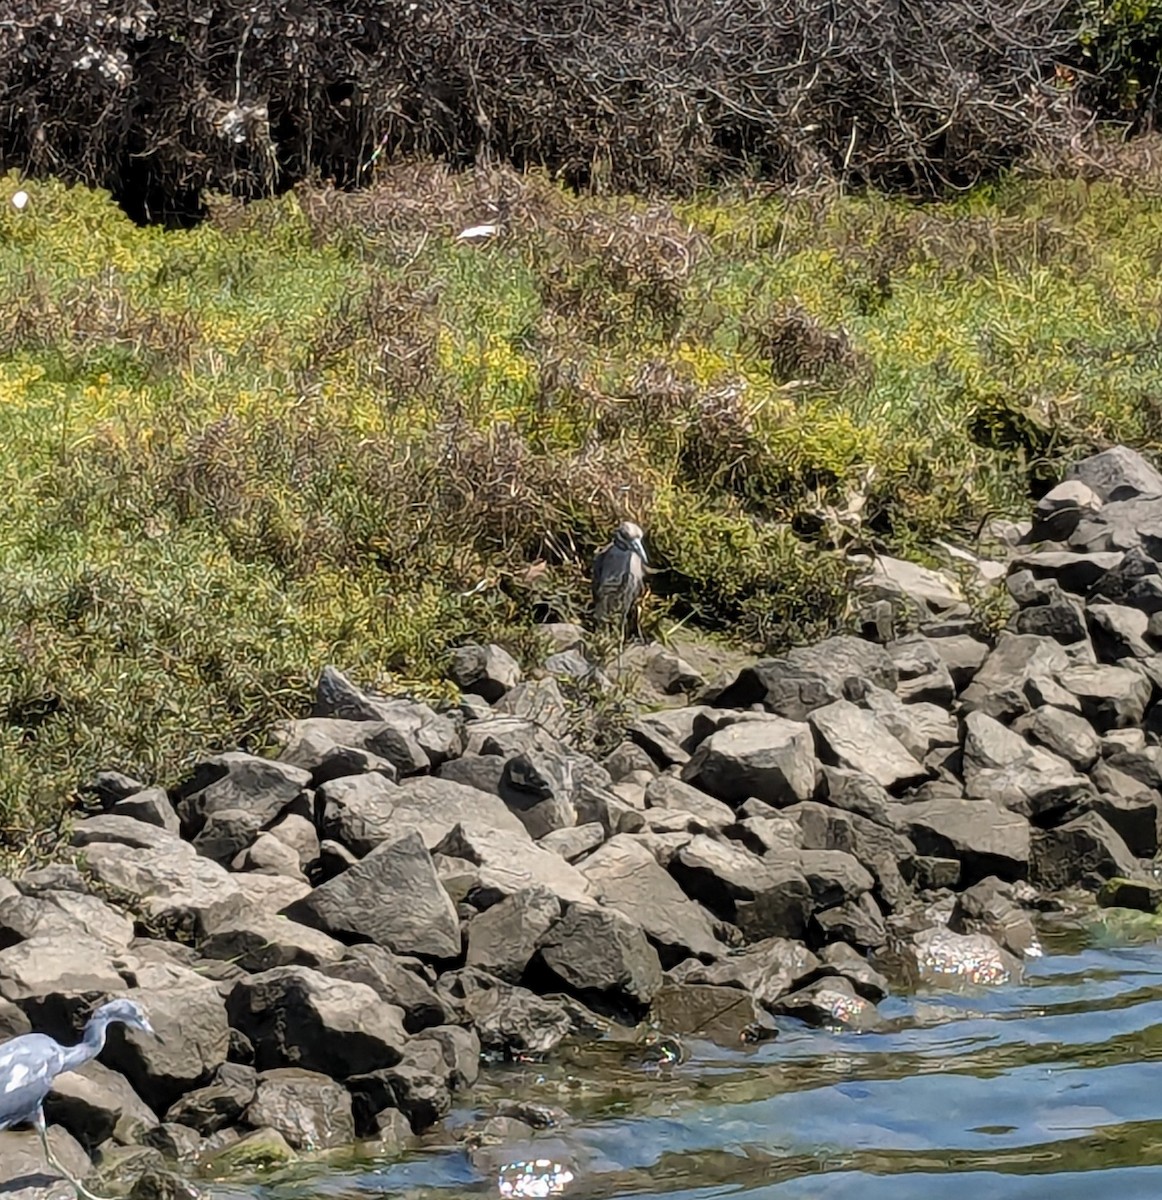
x,y
321,429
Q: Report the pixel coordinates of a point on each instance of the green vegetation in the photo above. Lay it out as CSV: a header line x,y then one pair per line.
x,y
322,429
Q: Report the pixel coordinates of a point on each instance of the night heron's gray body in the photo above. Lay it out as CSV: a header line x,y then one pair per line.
x,y
619,577
30,1064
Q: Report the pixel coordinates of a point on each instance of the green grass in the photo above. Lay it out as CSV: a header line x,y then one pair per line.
x,y
320,429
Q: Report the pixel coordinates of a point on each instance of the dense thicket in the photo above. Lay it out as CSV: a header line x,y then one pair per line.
x,y
163,98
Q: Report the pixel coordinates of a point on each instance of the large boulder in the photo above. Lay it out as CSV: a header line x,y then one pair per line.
x,y
309,1109
263,787
1017,664
1084,852
508,1019
1111,697
1118,473
297,1017
393,897
767,970
397,980
356,811
503,939
772,760
487,671
96,1104
626,877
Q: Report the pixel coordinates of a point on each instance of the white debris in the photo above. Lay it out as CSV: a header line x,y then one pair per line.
x,y
19,201
477,233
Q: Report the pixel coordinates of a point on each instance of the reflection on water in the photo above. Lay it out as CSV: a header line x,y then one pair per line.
x,y
1048,1089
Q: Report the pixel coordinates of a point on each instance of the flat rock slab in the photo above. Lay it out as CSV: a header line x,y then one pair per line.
x,y
856,738
772,760
392,897
625,876
1111,697
508,862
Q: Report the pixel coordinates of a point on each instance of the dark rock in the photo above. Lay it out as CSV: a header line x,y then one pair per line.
x,y
1119,631
598,953
1132,578
625,759
984,838
178,1143
1145,895
310,1110
480,771
855,792
1055,614
923,672
218,1104
1084,852
297,1017
1135,818
538,788
487,671
508,1020
833,876
772,760
930,874
417,1086
393,898
110,787
503,939
1075,572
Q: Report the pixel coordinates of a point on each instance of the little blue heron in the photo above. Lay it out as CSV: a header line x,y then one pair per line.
x,y
30,1064
618,572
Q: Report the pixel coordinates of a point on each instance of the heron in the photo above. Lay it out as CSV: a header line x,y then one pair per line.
x,y
30,1064
618,576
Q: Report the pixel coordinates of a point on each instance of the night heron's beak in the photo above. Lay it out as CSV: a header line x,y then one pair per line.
x,y
639,549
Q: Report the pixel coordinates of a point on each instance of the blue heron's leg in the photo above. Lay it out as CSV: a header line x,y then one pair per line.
x,y
78,1187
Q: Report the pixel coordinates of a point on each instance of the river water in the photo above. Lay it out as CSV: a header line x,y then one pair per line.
x,y
1049,1088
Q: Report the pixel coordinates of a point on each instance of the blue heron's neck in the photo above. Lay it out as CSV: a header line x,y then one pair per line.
x,y
91,1044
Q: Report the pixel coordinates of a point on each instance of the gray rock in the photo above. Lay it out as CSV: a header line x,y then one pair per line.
x,y
845,960
56,983
1063,733
831,1002
990,907
942,956
151,806
24,1174
314,745
923,673
297,1017
1084,852
852,737
859,922
299,834
508,1019
487,671
765,898
671,794
918,726
767,970
260,786
258,940
670,673
193,1036
96,1104
1118,632
1001,687
1111,697
984,838
503,939
598,953
538,788
64,915
393,898
1078,573
1117,474
1135,818
311,1111
772,760
540,702
396,980
833,876
218,1104
855,792
1132,579
573,844
356,811
726,1015
624,876
999,765
226,833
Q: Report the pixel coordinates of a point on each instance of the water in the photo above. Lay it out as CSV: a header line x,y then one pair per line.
x,y
1050,1088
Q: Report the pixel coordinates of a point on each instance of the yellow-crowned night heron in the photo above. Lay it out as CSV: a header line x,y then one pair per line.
x,y
30,1064
618,578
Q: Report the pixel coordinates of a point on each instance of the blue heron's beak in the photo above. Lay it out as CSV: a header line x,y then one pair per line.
x,y
148,1027
639,549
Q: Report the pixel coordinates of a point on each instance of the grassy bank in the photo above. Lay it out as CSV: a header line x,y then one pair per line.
x,y
321,429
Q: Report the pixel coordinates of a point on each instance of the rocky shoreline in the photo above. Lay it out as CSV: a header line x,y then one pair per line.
x,y
330,941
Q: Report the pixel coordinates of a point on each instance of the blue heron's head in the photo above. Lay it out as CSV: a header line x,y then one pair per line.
x,y
629,537
126,1012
